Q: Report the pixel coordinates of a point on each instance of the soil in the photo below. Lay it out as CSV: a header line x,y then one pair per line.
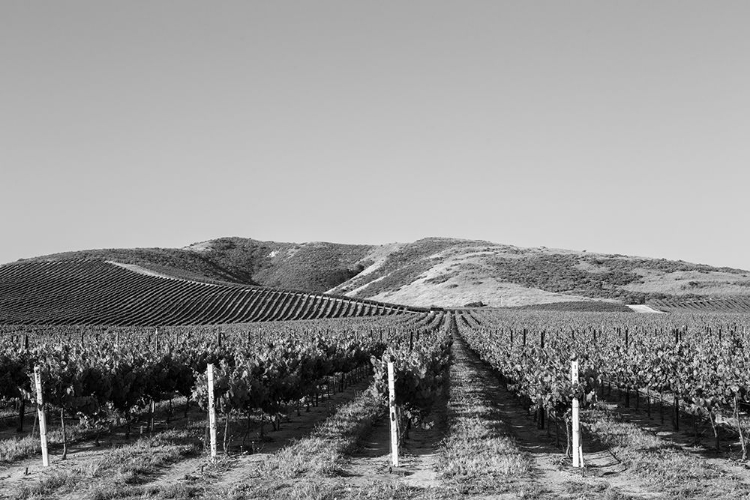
x,y
641,308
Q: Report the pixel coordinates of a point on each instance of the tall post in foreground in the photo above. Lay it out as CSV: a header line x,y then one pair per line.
x,y
42,420
211,410
577,450
394,418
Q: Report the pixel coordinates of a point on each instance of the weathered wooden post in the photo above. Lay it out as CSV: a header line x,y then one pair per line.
x,y
211,411
393,415
42,420
22,405
577,449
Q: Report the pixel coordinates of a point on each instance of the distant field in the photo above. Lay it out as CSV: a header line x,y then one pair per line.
x,y
587,306
740,304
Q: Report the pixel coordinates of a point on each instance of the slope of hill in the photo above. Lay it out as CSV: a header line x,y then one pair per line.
x,y
312,267
453,273
437,271
93,292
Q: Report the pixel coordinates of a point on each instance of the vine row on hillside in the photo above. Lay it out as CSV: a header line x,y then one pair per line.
x,y
103,293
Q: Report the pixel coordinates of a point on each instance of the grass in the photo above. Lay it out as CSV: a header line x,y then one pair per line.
x,y
479,456
665,467
336,490
23,447
311,267
307,468
19,448
119,472
323,453
600,490
312,468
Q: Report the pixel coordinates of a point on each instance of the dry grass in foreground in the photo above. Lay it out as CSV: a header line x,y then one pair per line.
x,y
666,468
479,456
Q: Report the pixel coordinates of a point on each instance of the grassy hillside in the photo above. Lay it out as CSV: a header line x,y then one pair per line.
x,y
454,273
170,261
311,267
439,271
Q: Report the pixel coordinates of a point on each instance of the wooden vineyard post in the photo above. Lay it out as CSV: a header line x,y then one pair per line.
x,y
540,411
42,421
577,449
22,405
676,422
394,418
211,410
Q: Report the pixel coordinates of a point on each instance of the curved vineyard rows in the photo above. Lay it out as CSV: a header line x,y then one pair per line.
x,y
103,293
740,304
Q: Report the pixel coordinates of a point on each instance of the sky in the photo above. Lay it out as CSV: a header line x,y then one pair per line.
x,y
606,126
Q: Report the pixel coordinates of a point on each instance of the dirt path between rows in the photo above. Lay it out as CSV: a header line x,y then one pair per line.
x,y
552,475
25,472
236,468
726,458
552,471
475,392
417,457
189,471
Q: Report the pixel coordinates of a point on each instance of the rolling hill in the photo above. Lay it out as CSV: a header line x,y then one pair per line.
x,y
95,292
441,272
458,272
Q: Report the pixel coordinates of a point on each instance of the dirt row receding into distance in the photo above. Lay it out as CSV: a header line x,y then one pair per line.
x,y
482,443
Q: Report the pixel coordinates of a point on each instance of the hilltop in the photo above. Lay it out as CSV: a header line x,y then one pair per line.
x,y
438,272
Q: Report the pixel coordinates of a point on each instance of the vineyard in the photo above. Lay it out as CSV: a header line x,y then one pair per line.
x,y
738,304
92,292
484,402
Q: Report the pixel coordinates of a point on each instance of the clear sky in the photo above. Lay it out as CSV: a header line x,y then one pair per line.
x,y
611,126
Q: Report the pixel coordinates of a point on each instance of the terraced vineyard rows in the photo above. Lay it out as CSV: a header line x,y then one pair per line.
x,y
740,304
103,293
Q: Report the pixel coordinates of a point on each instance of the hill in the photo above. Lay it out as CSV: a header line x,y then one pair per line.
x,y
451,272
94,292
311,267
442,272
